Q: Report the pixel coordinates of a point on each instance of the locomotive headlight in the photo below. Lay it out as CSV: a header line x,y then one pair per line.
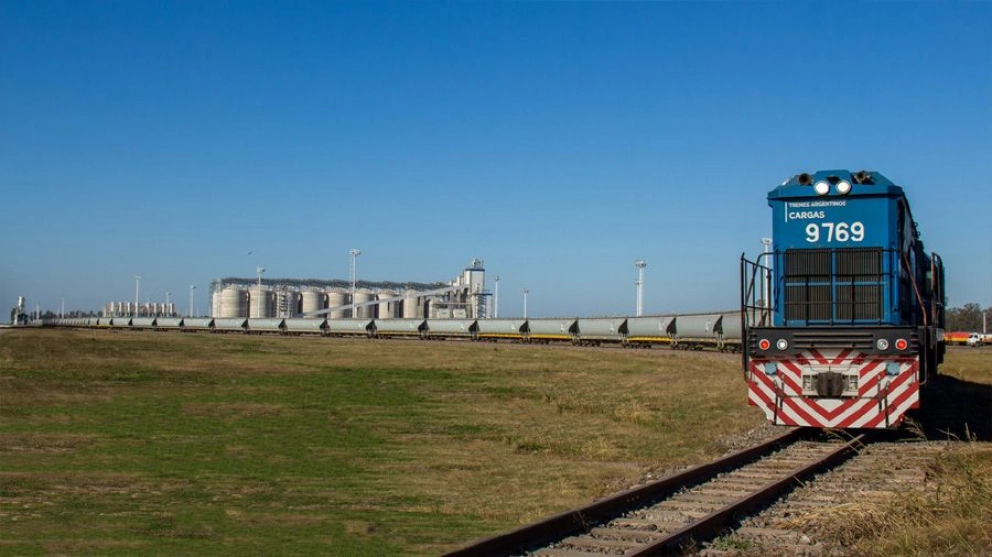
x,y
843,187
781,344
882,344
822,187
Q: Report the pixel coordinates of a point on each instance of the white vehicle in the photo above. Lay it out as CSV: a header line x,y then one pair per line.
x,y
975,339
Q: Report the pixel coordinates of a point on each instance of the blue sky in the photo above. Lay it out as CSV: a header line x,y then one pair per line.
x,y
556,141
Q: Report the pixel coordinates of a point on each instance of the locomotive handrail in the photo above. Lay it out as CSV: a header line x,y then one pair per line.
x,y
744,334
755,315
923,310
916,287
751,313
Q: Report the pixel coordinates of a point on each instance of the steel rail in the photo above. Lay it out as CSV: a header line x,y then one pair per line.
x,y
582,518
718,520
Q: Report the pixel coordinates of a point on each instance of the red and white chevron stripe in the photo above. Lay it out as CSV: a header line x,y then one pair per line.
x,y
881,400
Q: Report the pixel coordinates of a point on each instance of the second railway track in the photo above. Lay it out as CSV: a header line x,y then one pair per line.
x,y
686,508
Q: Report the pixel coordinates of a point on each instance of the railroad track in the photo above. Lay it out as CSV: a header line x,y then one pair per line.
x,y
684,509
887,466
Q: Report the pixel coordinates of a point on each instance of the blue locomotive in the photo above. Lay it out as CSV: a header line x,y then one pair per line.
x,y
843,319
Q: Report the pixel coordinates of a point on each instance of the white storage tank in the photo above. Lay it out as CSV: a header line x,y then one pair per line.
x,y
260,303
313,301
388,310
361,296
411,305
231,301
337,298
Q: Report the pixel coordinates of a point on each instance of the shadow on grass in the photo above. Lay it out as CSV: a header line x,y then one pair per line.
x,y
952,407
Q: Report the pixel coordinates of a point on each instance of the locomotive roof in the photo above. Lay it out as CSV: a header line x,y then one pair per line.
x,y
864,182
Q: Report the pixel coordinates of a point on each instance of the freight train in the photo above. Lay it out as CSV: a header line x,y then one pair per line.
x,y
843,318
719,331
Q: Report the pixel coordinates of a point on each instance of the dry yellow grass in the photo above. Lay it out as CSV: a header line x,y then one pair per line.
x,y
224,443
232,443
951,519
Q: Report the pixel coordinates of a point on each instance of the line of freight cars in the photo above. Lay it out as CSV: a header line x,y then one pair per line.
x,y
721,331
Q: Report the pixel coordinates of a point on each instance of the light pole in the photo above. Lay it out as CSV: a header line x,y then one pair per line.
x,y
640,264
192,287
767,242
526,292
496,299
258,305
137,286
354,268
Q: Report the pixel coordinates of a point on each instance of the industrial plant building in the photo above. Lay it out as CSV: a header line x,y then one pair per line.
x,y
464,297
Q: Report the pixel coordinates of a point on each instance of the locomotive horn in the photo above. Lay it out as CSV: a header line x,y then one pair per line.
x,y
862,177
805,179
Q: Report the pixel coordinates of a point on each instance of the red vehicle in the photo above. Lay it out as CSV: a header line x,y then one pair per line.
x,y
956,338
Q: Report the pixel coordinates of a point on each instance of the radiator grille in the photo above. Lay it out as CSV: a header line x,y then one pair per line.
x,y
834,286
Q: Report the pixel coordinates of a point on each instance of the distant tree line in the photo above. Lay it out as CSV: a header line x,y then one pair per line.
x,y
49,314
967,318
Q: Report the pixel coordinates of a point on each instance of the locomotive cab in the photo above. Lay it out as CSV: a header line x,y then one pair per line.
x,y
843,318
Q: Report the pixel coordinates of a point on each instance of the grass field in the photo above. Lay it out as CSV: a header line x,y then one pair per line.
x,y
164,443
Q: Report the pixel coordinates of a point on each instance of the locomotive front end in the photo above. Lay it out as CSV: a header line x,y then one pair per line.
x,y
836,314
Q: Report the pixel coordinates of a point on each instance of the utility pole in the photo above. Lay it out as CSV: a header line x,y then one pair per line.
x,y
354,269
640,264
258,305
496,299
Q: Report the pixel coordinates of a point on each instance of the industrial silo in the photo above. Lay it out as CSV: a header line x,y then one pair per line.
x,y
232,301
388,309
313,301
411,305
337,298
260,303
362,296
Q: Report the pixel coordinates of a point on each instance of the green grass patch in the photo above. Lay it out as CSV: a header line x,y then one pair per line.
x,y
126,443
